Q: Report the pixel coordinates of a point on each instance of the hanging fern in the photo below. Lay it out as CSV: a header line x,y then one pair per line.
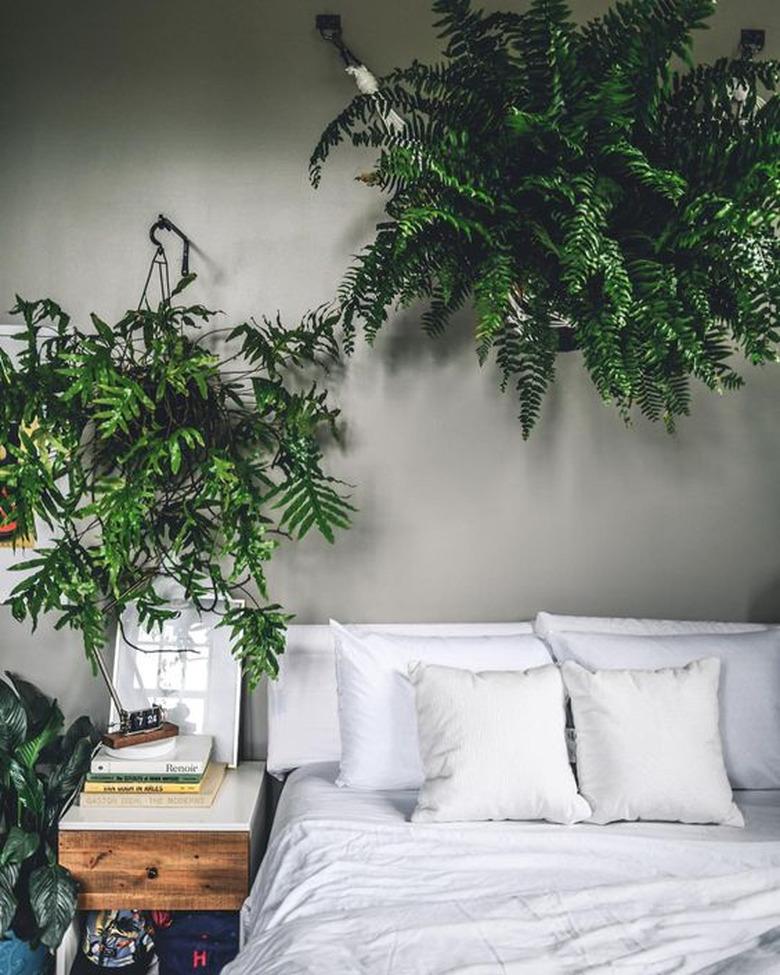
x,y
556,173
149,458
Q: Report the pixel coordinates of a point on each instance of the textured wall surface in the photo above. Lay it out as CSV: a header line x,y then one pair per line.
x,y
112,112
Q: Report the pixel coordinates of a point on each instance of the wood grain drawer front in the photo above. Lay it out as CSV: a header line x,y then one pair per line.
x,y
163,870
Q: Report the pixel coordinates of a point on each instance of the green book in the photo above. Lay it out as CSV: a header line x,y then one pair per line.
x,y
128,777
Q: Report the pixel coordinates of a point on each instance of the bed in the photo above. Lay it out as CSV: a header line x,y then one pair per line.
x,y
350,885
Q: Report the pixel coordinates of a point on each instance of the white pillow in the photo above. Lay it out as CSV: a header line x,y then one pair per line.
x,y
303,722
648,745
547,624
376,702
749,687
493,746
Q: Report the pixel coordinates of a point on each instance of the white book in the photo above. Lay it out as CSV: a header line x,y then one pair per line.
x,y
190,756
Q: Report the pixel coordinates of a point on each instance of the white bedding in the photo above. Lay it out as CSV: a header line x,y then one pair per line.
x,y
349,885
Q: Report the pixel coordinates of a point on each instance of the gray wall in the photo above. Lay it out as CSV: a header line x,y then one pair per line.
x,y
111,112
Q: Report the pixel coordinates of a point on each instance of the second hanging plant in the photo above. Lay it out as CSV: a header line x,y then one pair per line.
x,y
556,173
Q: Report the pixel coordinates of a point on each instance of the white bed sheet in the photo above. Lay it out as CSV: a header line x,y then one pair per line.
x,y
349,885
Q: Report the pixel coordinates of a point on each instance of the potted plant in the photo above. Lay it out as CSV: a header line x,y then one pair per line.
x,y
40,769
157,463
551,173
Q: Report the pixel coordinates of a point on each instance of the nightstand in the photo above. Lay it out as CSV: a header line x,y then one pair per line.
x,y
167,859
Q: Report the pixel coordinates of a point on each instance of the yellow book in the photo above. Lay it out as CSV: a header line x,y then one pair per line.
x,y
146,788
210,786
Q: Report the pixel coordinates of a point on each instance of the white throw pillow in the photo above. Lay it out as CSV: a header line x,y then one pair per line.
x,y
749,687
547,624
377,719
648,745
493,746
303,720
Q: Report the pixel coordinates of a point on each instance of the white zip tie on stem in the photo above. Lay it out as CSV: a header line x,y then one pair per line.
x,y
368,85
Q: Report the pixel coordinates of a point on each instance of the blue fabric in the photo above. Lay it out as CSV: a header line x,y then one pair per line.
x,y
18,958
195,942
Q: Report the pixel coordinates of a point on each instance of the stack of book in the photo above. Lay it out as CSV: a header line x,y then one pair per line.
x,y
186,776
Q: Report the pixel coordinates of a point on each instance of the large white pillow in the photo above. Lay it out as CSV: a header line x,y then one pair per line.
x,y
547,624
493,746
648,745
303,723
749,687
377,719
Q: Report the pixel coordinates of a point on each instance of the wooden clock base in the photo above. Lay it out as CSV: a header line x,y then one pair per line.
x,y
116,739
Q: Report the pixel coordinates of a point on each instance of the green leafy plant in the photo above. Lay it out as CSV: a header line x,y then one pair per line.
x,y
152,459
554,173
40,769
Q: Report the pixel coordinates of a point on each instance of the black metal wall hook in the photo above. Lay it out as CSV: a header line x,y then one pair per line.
x,y
163,223
751,42
329,27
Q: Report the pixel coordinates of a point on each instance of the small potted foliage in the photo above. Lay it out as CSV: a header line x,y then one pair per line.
x,y
40,769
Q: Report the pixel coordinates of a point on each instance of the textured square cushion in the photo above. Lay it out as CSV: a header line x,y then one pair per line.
x,y
749,687
493,746
377,719
648,745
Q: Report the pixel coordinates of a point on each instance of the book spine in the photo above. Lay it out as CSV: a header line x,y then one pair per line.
x,y
141,788
194,800
127,777
118,766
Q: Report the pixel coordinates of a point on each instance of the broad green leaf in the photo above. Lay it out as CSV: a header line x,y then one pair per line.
x,y
68,775
28,786
53,897
9,874
29,751
19,845
37,704
183,283
82,727
102,329
13,719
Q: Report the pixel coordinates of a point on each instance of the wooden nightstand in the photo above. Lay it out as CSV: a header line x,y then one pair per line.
x,y
169,859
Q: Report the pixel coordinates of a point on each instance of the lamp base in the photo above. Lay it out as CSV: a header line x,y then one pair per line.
x,y
115,739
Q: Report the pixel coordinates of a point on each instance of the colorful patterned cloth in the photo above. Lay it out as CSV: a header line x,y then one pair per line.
x,y
115,939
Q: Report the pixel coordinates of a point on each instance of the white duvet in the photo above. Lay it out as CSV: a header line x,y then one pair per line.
x,y
349,885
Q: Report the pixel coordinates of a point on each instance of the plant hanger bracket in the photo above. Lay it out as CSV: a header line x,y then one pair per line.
x,y
163,223
751,42
329,27
160,260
